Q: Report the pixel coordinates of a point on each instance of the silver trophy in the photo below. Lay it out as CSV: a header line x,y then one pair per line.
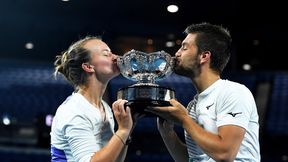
x,y
145,69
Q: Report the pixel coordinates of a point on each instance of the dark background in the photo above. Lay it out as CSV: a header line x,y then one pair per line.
x,y
29,95
258,28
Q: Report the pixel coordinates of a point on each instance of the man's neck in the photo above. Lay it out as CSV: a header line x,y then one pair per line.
x,y
205,80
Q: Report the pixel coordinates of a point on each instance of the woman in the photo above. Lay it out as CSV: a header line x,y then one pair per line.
x,y
83,127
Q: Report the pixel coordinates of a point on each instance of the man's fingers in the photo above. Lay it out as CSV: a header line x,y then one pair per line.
x,y
174,103
157,109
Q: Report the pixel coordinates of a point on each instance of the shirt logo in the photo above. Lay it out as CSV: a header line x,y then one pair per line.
x,y
234,114
207,107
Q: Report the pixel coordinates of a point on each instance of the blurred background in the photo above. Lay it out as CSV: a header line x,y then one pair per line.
x,y
33,32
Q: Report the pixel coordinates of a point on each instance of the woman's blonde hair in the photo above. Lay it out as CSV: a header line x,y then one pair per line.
x,y
69,63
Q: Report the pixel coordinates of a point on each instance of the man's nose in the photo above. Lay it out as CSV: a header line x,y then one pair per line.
x,y
178,53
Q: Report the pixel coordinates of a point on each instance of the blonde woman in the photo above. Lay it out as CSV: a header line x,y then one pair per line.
x,y
83,126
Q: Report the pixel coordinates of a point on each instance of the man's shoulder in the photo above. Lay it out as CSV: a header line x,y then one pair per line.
x,y
232,89
231,86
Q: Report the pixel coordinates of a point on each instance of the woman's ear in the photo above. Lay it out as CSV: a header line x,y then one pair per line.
x,y
88,67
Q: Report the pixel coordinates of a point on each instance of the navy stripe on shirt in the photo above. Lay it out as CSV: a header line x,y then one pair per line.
x,y
57,155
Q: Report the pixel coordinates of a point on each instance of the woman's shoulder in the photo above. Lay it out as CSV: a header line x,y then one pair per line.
x,y
68,111
70,106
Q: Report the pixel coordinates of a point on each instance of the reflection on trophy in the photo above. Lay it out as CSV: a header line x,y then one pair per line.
x,y
145,69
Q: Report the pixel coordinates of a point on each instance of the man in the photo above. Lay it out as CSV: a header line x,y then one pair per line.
x,y
221,122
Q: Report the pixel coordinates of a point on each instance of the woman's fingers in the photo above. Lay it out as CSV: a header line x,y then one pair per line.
x,y
119,106
122,106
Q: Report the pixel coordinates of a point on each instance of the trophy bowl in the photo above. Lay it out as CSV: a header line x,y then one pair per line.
x,y
145,69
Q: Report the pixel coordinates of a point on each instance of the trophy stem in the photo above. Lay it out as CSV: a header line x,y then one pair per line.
x,y
145,78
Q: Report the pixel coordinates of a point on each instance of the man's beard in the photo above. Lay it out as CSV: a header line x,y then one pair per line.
x,y
191,71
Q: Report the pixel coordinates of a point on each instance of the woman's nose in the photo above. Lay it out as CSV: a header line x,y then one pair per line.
x,y
115,57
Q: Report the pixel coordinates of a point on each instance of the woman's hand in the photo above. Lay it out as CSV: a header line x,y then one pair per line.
x,y
122,115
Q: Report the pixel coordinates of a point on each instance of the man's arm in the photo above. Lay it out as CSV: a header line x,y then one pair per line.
x,y
175,146
223,146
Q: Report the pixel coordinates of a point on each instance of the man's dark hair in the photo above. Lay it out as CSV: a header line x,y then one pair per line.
x,y
213,38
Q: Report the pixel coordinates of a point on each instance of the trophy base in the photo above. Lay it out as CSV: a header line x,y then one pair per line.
x,y
140,106
140,97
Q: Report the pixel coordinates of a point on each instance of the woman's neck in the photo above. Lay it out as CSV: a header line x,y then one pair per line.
x,y
93,92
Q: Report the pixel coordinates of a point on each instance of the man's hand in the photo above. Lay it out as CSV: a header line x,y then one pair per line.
x,y
175,113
